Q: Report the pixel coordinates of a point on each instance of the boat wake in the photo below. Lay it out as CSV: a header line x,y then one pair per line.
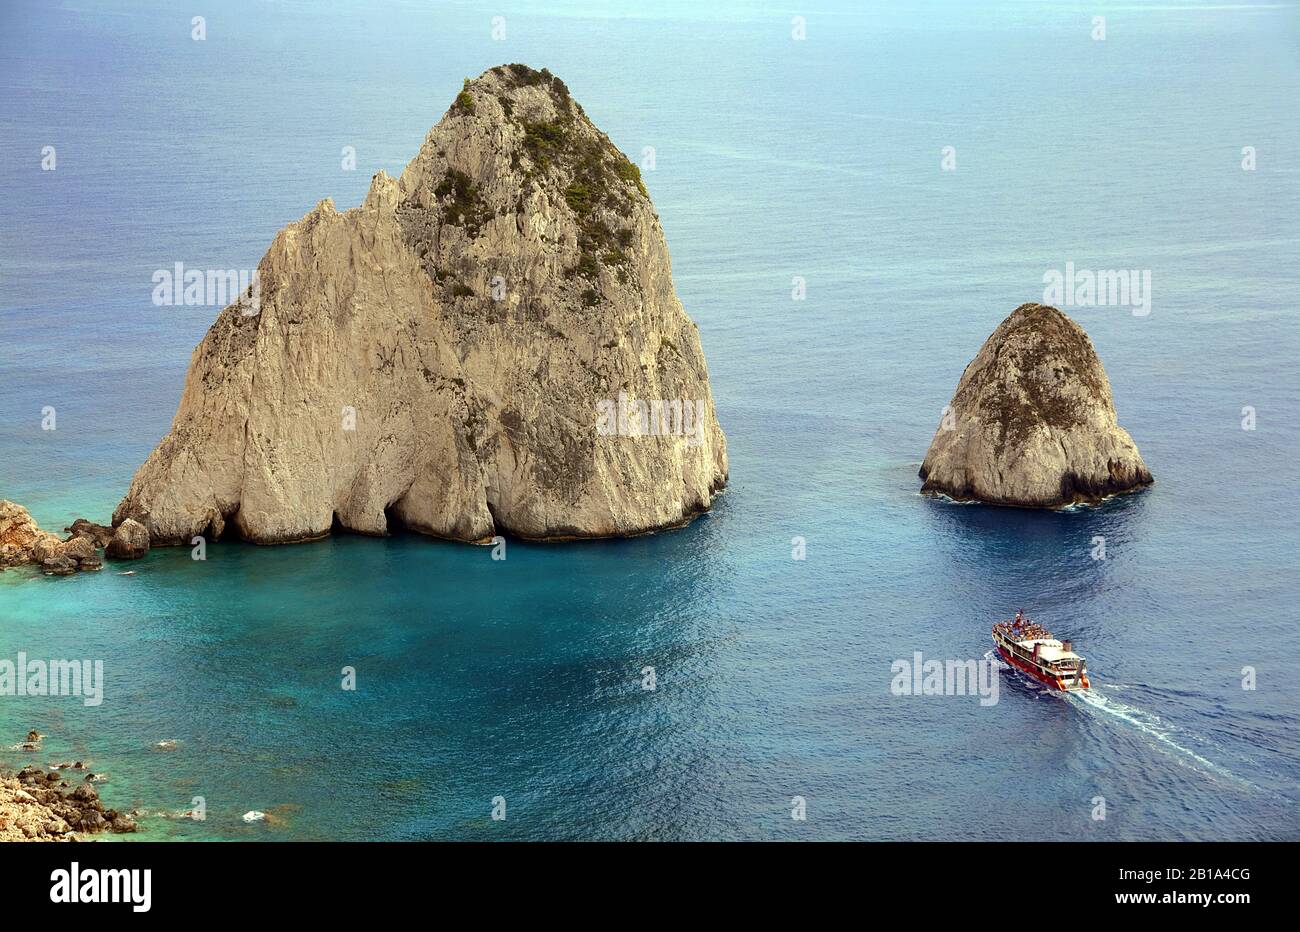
x,y
1097,701
1153,726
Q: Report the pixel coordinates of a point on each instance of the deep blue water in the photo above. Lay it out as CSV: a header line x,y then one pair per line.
x,y
774,158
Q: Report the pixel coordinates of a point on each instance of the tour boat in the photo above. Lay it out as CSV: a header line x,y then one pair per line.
x,y
1032,650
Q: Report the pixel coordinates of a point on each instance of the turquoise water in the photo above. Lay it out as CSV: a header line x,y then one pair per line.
x,y
773,159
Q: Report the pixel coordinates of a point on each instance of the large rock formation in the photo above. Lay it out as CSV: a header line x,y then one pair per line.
x,y
1032,422
438,356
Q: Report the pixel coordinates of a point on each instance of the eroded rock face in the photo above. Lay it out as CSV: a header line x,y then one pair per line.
x,y
437,356
1032,422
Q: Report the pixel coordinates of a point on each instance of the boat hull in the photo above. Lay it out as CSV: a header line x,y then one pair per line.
x,y
1034,673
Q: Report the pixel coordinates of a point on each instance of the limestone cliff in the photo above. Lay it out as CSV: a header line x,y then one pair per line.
x,y
1032,422
438,357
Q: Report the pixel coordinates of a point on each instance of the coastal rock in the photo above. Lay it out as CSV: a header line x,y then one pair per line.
x,y
449,355
91,564
58,565
98,534
1032,422
46,549
81,550
21,539
78,548
84,793
130,541
34,808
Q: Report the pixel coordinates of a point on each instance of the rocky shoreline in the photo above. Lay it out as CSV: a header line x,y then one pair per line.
x,y
56,804
23,542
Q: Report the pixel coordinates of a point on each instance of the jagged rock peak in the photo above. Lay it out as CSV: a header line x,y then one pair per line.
x,y
440,356
1032,422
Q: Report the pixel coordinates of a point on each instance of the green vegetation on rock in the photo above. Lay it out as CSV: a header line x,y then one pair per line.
x,y
544,141
629,172
466,208
464,101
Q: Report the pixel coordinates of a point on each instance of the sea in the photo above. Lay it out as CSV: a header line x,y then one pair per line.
x,y
854,195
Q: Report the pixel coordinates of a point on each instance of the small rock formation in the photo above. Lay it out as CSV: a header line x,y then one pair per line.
x,y
81,552
130,541
39,805
58,565
22,541
20,536
438,357
98,534
1032,423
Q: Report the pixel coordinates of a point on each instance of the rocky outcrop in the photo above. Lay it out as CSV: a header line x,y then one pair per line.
x,y
22,542
40,805
25,817
1032,422
130,541
21,539
51,805
98,534
441,356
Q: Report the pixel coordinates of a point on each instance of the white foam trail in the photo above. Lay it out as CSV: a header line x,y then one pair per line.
x,y
1143,721
1151,725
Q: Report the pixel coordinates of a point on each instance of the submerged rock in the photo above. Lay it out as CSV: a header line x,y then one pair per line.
x,y
438,357
1032,422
